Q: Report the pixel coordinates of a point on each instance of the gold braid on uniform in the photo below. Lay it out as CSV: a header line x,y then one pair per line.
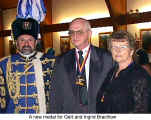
x,y
2,91
13,81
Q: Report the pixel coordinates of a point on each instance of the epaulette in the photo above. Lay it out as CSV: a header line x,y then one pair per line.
x,y
6,57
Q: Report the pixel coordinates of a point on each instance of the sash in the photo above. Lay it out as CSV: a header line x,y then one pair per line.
x,y
40,83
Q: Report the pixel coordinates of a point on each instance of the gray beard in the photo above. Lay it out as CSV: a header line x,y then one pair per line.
x,y
27,56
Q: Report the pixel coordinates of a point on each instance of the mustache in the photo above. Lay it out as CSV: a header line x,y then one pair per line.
x,y
26,47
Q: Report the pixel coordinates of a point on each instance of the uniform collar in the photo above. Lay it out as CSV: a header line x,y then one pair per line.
x,y
28,57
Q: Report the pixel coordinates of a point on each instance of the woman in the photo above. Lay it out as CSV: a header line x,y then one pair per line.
x,y
125,89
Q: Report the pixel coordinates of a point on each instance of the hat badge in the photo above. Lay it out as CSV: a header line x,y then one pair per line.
x,y
26,25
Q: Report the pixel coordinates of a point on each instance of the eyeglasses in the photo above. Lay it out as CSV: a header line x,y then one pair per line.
x,y
79,32
122,47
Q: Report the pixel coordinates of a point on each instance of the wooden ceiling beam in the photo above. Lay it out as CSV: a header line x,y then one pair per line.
x,y
117,8
64,26
102,22
134,18
4,33
109,6
8,4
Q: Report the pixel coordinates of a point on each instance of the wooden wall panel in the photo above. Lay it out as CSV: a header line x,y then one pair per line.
x,y
7,4
47,37
1,38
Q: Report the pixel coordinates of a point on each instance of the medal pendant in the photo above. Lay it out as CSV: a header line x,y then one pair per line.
x,y
80,80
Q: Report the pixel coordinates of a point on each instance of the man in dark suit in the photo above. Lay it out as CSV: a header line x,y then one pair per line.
x,y
79,73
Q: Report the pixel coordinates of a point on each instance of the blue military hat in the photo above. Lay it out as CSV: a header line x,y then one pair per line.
x,y
25,26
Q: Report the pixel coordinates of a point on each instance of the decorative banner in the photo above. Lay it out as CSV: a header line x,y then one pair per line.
x,y
31,9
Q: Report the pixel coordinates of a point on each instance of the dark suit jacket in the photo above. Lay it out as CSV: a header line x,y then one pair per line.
x,y
64,98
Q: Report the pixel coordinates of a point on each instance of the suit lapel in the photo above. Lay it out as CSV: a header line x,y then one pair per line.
x,y
94,73
71,70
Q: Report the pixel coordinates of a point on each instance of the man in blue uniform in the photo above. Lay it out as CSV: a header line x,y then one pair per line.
x,y
25,76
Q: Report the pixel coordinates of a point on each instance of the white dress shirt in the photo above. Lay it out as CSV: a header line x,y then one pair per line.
x,y
87,64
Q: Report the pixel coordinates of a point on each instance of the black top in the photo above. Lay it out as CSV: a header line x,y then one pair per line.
x,y
127,93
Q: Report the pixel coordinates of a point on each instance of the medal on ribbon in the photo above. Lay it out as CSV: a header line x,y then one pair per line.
x,y
80,77
80,80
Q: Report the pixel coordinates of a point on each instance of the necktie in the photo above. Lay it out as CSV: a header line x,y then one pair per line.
x,y
83,89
